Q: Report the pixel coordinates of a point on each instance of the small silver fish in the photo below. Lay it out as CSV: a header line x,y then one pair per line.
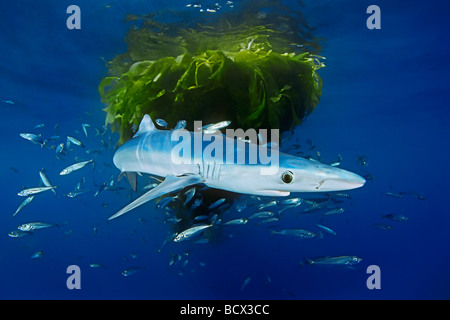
x,y
23,204
32,191
289,207
59,148
74,194
111,182
19,234
100,132
216,203
37,254
382,226
215,219
30,136
54,138
312,208
75,141
419,196
84,126
300,233
337,162
74,167
341,195
326,229
395,217
189,233
241,206
96,265
92,151
196,204
45,180
262,215
267,205
394,195
130,271
189,195
32,226
35,138
268,220
236,221
334,211
165,202
341,260
174,259
102,187
180,125
200,218
363,161
161,123
211,128
245,283
147,187
80,185
413,194
292,201
133,255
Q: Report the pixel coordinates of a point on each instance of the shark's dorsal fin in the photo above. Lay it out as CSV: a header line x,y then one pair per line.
x,y
145,126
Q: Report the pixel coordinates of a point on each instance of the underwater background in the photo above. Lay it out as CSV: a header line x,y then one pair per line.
x,y
384,109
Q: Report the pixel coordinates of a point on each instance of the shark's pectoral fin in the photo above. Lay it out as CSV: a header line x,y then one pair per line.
x,y
132,179
170,184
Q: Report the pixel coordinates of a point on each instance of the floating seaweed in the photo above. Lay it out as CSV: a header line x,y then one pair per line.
x,y
256,68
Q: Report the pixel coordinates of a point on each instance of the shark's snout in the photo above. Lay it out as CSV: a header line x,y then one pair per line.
x,y
118,159
126,158
341,180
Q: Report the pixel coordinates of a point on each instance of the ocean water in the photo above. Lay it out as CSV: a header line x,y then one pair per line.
x,y
384,104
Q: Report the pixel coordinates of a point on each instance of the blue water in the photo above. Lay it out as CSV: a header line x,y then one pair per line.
x,y
385,97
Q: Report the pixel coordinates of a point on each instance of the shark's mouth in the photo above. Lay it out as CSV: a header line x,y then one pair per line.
x,y
274,193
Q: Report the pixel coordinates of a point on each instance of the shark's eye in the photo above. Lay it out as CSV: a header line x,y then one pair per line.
x,y
287,176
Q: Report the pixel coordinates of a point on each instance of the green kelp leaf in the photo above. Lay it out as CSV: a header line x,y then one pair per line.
x,y
110,118
160,94
106,82
257,93
245,56
276,99
202,73
187,79
285,88
220,63
254,72
139,68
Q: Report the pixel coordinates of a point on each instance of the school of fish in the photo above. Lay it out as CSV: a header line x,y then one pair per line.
x,y
196,215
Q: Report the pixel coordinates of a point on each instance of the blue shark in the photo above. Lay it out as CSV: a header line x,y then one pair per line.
x,y
151,151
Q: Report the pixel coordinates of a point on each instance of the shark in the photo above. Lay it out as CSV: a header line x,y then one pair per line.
x,y
151,151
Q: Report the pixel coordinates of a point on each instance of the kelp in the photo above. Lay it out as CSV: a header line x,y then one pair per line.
x,y
256,74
